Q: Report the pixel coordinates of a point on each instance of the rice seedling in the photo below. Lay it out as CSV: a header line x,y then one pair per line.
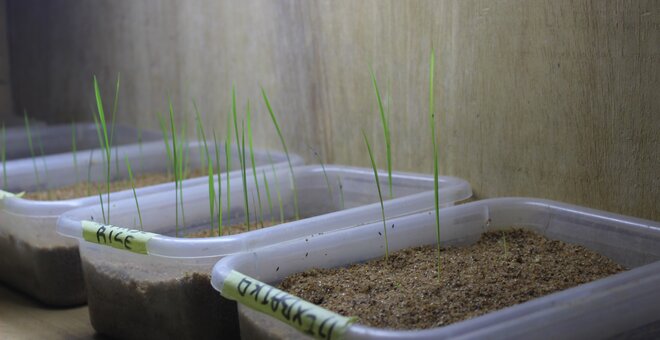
x,y
31,146
228,163
112,125
130,178
3,155
270,200
254,170
241,155
435,155
175,167
286,151
380,195
217,166
200,132
386,131
106,147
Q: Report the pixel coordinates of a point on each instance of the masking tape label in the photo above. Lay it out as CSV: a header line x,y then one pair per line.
x,y
5,194
307,317
121,238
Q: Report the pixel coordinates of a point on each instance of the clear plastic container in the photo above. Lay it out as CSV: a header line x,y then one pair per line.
x,y
167,293
616,305
58,138
45,265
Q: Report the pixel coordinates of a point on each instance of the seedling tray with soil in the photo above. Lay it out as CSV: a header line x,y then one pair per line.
x,y
494,268
165,291
33,257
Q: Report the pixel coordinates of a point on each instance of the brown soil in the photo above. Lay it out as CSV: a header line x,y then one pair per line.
x,y
84,189
149,304
502,269
232,229
52,275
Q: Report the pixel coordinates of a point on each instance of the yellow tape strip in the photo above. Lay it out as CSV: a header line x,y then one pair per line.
x,y
5,194
116,237
307,317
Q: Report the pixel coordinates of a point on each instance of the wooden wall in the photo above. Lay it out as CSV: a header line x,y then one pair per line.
x,y
548,98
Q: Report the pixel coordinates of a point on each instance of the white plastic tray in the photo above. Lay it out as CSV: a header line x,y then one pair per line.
x,y
27,227
603,308
177,258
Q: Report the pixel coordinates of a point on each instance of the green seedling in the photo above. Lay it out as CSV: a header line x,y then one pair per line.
x,y
228,163
241,155
175,167
386,131
380,195
286,151
107,147
112,125
89,170
98,188
130,178
435,155
31,146
217,166
200,133
277,188
270,201
254,170
3,155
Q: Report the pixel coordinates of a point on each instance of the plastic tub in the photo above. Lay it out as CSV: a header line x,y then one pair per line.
x,y
616,305
45,265
58,139
167,294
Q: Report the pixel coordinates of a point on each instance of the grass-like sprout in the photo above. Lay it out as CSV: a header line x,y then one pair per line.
x,y
325,174
3,156
74,148
217,166
107,147
435,155
254,169
31,146
130,178
175,167
200,133
112,124
386,131
380,195
228,165
286,151
89,171
270,200
241,155
277,188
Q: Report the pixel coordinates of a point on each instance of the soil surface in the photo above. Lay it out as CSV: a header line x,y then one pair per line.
x,y
503,269
232,229
84,189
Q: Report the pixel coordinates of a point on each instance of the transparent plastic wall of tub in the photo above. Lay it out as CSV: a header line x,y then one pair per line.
x,y
32,254
616,305
172,269
55,139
